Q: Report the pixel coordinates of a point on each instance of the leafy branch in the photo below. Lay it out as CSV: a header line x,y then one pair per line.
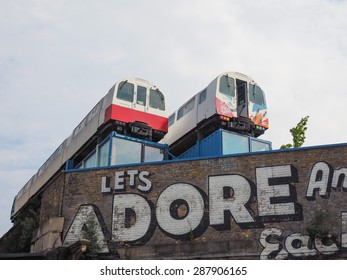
x,y
298,133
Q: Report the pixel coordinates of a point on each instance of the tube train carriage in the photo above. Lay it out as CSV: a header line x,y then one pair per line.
x,y
136,107
232,101
131,107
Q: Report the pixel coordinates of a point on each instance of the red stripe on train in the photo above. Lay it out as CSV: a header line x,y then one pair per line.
x,y
123,114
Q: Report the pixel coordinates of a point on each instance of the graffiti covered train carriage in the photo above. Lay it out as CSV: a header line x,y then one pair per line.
x,y
232,101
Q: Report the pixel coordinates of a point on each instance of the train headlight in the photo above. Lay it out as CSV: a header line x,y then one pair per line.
x,y
258,127
225,118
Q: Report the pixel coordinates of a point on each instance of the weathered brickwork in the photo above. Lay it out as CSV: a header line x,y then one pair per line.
x,y
255,206
51,201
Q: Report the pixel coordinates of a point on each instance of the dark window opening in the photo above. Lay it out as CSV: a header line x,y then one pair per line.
x,y
241,92
141,95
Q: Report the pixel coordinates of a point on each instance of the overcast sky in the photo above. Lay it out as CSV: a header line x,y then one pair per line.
x,y
59,58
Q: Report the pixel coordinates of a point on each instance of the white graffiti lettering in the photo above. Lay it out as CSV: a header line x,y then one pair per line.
x,y
131,217
273,189
344,229
340,179
272,246
183,211
296,245
144,185
319,180
323,178
86,217
229,194
167,206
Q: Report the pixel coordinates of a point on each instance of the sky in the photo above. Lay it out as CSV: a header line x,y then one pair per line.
x,y
59,58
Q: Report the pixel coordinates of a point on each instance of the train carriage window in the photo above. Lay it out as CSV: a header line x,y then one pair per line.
x,y
171,119
126,91
202,96
156,99
141,95
241,92
226,86
256,95
186,108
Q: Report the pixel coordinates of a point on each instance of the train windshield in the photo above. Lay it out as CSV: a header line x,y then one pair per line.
x,y
156,99
126,91
226,86
256,95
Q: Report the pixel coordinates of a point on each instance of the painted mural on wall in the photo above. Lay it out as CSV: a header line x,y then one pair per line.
x,y
183,211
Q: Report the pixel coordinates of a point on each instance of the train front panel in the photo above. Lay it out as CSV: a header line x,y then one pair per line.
x,y
137,103
241,104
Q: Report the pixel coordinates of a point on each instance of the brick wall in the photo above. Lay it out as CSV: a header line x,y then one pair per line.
x,y
251,206
51,201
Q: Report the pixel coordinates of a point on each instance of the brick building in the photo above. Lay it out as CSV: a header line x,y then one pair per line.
x,y
284,204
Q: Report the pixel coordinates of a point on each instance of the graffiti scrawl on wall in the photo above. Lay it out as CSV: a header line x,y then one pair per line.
x,y
183,210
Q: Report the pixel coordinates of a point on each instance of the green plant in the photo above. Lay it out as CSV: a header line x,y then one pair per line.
x,y
89,232
318,228
18,238
298,133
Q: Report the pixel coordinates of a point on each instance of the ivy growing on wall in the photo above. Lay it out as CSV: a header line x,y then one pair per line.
x,y
18,239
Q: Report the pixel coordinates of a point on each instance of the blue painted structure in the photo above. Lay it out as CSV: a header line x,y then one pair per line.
x,y
118,149
223,142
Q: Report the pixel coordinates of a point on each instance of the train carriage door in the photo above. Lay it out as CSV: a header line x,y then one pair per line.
x,y
242,100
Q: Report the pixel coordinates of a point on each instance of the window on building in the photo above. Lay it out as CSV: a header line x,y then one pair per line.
x,y
90,161
257,146
234,144
126,152
153,154
104,153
